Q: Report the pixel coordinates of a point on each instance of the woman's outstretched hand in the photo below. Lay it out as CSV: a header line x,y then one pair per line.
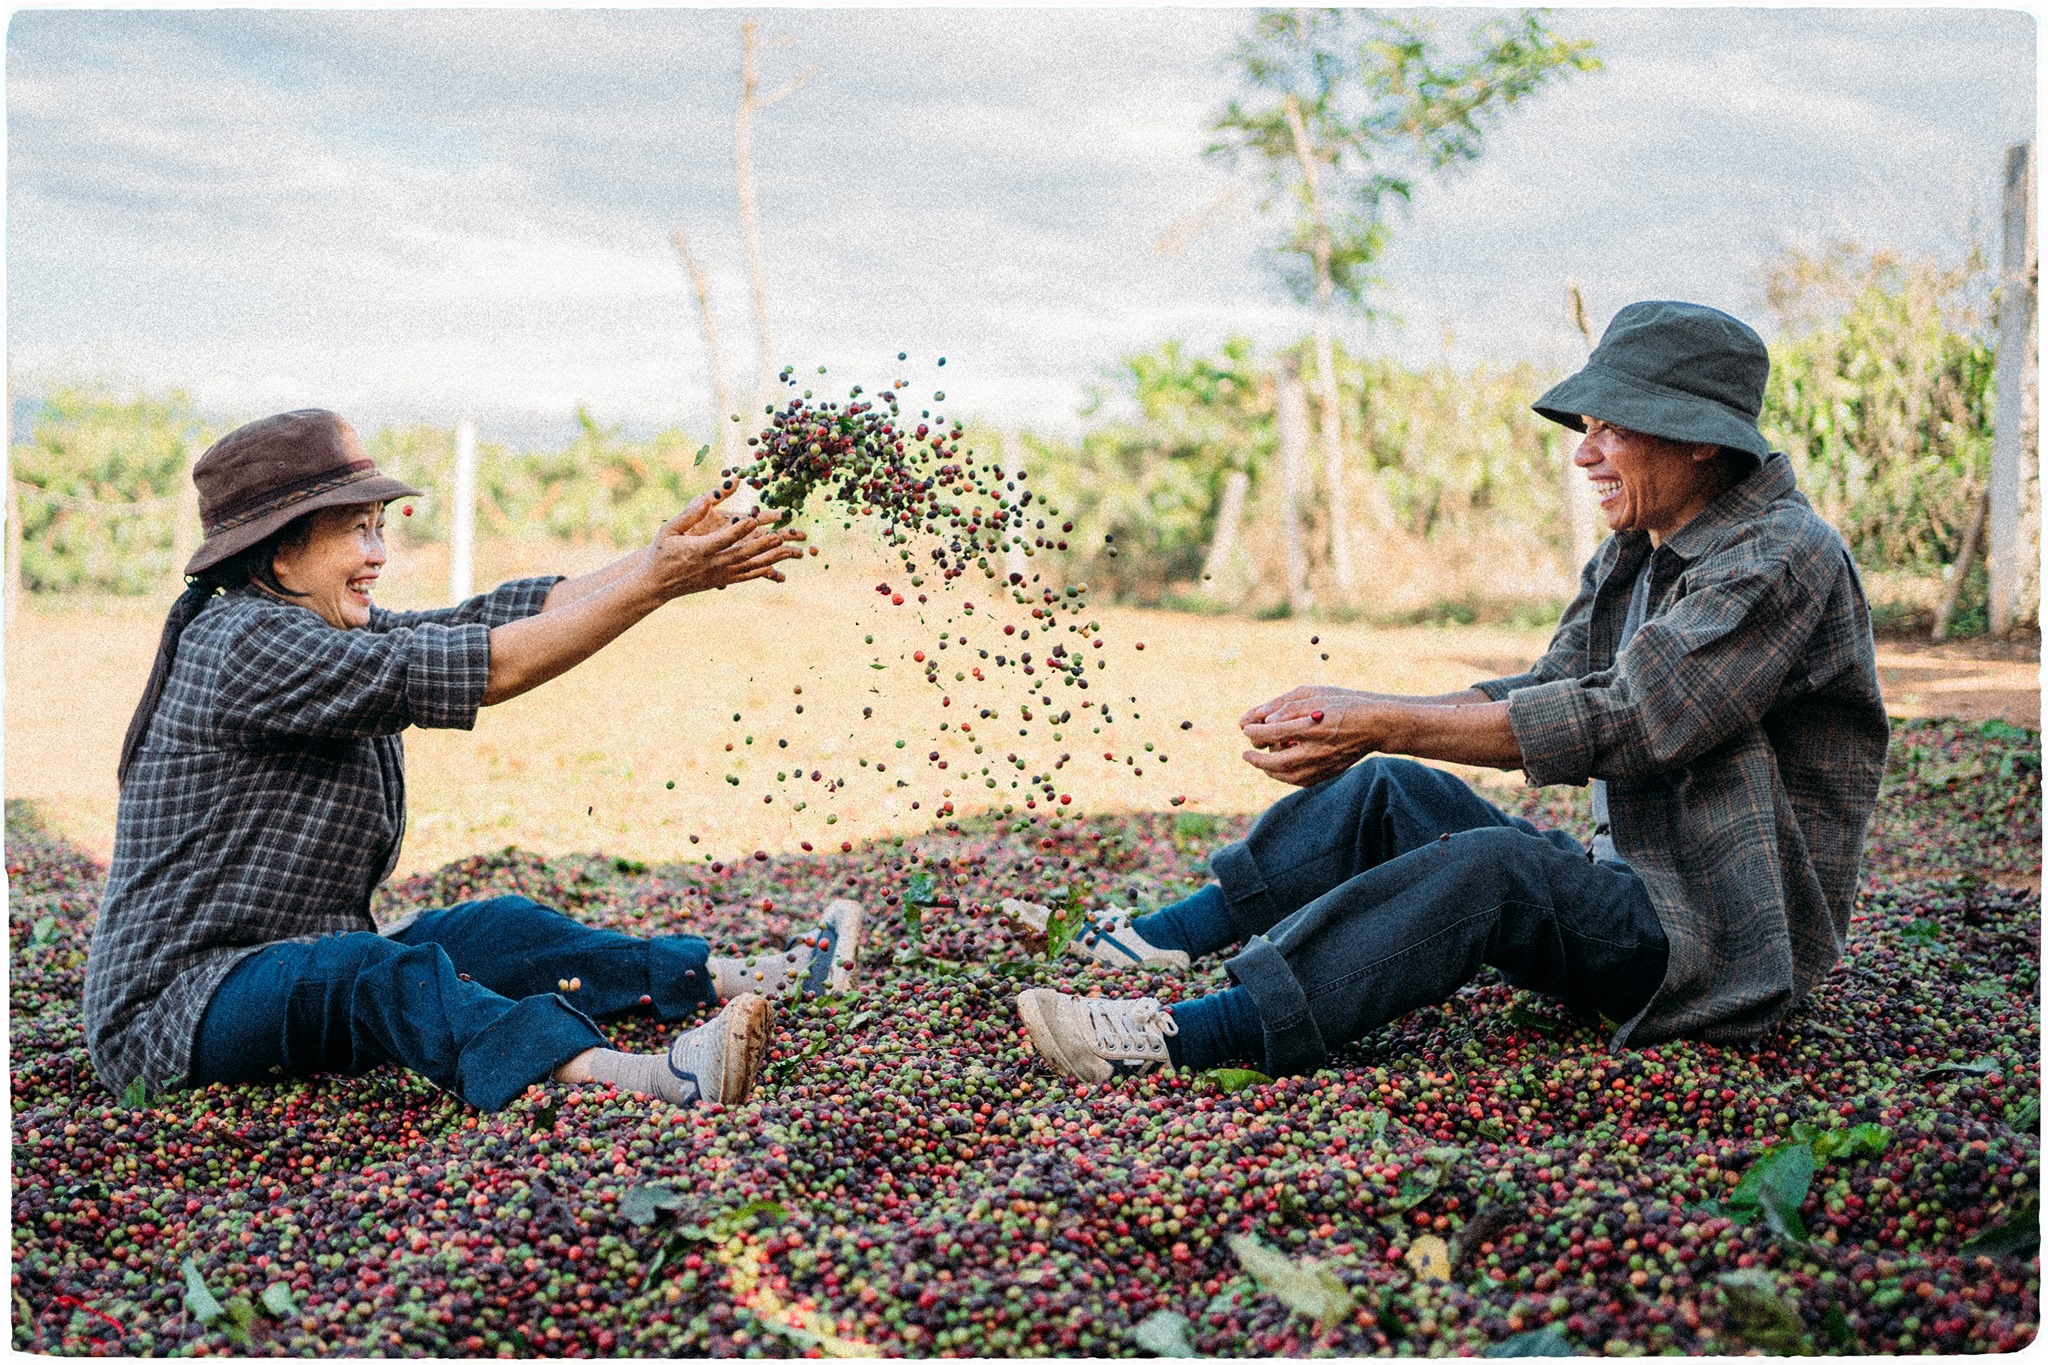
x,y
703,546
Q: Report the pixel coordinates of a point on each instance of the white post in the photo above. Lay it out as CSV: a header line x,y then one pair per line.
x,y
1013,465
462,515
2014,377
1290,416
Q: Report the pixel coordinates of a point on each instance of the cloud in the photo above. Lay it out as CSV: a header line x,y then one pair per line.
x,y
425,212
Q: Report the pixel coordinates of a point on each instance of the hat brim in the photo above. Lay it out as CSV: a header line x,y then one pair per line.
x,y
1626,401
376,488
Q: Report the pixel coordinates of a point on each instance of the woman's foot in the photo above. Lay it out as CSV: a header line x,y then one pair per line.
x,y
819,962
1108,939
1093,1039
718,1061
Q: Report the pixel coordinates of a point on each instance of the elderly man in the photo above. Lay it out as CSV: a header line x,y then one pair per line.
x,y
1714,680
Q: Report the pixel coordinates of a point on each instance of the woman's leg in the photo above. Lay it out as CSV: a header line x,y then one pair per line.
x,y
1317,839
1411,931
517,948
349,1002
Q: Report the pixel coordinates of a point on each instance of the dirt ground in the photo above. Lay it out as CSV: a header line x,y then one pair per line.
x,y
584,763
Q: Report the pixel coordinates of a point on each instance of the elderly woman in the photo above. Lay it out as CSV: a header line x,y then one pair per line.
x,y
1714,680
263,799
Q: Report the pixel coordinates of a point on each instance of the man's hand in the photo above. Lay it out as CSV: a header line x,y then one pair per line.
x,y
1312,734
703,546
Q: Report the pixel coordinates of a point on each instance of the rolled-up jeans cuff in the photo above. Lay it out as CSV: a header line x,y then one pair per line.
x,y
524,1045
677,977
1245,897
1294,1045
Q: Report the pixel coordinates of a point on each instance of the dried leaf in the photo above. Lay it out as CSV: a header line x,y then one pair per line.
x,y
1164,1334
1304,1286
1429,1258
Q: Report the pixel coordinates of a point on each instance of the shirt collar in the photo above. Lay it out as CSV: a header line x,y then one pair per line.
x,y
1766,484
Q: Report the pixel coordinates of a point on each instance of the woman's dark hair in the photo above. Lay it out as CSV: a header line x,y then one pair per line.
x,y
251,566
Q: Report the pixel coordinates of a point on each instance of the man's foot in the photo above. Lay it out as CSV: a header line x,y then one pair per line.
x,y
721,1060
1094,1039
819,961
1109,939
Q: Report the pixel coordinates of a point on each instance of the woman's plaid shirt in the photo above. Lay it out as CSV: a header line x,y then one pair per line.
x,y
267,802
1742,736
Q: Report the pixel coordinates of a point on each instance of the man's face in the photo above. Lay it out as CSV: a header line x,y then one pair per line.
x,y
1646,483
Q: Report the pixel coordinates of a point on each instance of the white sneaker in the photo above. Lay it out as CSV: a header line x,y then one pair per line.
x,y
1094,1039
820,961
722,1059
1109,940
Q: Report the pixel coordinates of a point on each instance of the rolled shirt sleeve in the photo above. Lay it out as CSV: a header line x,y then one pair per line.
x,y
1697,673
502,605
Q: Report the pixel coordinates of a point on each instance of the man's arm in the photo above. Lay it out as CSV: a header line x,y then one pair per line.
x,y
1313,734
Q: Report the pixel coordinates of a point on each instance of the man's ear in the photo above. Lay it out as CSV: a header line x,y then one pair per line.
x,y
1704,451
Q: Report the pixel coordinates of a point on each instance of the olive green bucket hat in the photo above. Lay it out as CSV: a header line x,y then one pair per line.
x,y
1682,371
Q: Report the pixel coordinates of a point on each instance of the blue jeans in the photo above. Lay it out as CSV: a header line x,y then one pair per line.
x,y
468,997
1388,888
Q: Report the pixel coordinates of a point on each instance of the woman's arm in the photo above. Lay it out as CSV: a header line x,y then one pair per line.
x,y
700,548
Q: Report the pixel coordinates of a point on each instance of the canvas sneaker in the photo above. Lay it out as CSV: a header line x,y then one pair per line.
x,y
721,1060
1108,939
1093,1039
818,962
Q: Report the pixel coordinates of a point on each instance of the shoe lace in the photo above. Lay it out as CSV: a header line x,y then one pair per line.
x,y
1130,1030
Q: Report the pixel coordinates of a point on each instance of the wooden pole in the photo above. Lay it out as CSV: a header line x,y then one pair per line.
x,y
1290,415
2017,377
185,529
462,516
1966,559
1326,365
13,590
752,101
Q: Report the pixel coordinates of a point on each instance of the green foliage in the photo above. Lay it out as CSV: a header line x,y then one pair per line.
x,y
88,461
1881,395
1165,1333
1371,100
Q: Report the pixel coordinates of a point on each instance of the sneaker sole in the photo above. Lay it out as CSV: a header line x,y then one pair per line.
x,y
749,1024
1027,920
1035,1008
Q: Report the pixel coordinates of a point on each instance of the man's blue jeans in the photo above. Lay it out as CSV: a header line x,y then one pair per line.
x,y
1388,888
468,997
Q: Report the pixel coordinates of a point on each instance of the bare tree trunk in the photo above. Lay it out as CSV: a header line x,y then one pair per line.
x,y
752,100
1326,366
1966,559
729,431
1581,512
1229,517
1290,415
2017,380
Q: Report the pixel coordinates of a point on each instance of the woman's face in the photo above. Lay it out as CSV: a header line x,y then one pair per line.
x,y
337,564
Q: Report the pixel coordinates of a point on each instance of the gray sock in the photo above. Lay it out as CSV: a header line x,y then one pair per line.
x,y
643,1073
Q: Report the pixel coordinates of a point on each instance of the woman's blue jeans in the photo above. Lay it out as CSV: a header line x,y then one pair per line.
x,y
468,997
1388,888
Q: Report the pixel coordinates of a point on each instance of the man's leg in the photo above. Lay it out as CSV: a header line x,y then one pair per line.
x,y
518,948
1412,930
1315,840
349,1002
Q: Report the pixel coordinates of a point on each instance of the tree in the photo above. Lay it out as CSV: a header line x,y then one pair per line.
x,y
1346,109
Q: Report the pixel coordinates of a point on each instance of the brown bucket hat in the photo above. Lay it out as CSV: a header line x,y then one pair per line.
x,y
265,473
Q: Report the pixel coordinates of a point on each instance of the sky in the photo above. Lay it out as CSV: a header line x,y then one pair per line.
x,y
420,215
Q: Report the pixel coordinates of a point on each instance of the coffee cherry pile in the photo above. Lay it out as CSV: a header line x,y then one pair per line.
x,y
909,1180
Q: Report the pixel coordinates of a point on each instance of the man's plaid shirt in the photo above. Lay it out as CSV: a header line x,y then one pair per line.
x,y
1742,736
267,801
